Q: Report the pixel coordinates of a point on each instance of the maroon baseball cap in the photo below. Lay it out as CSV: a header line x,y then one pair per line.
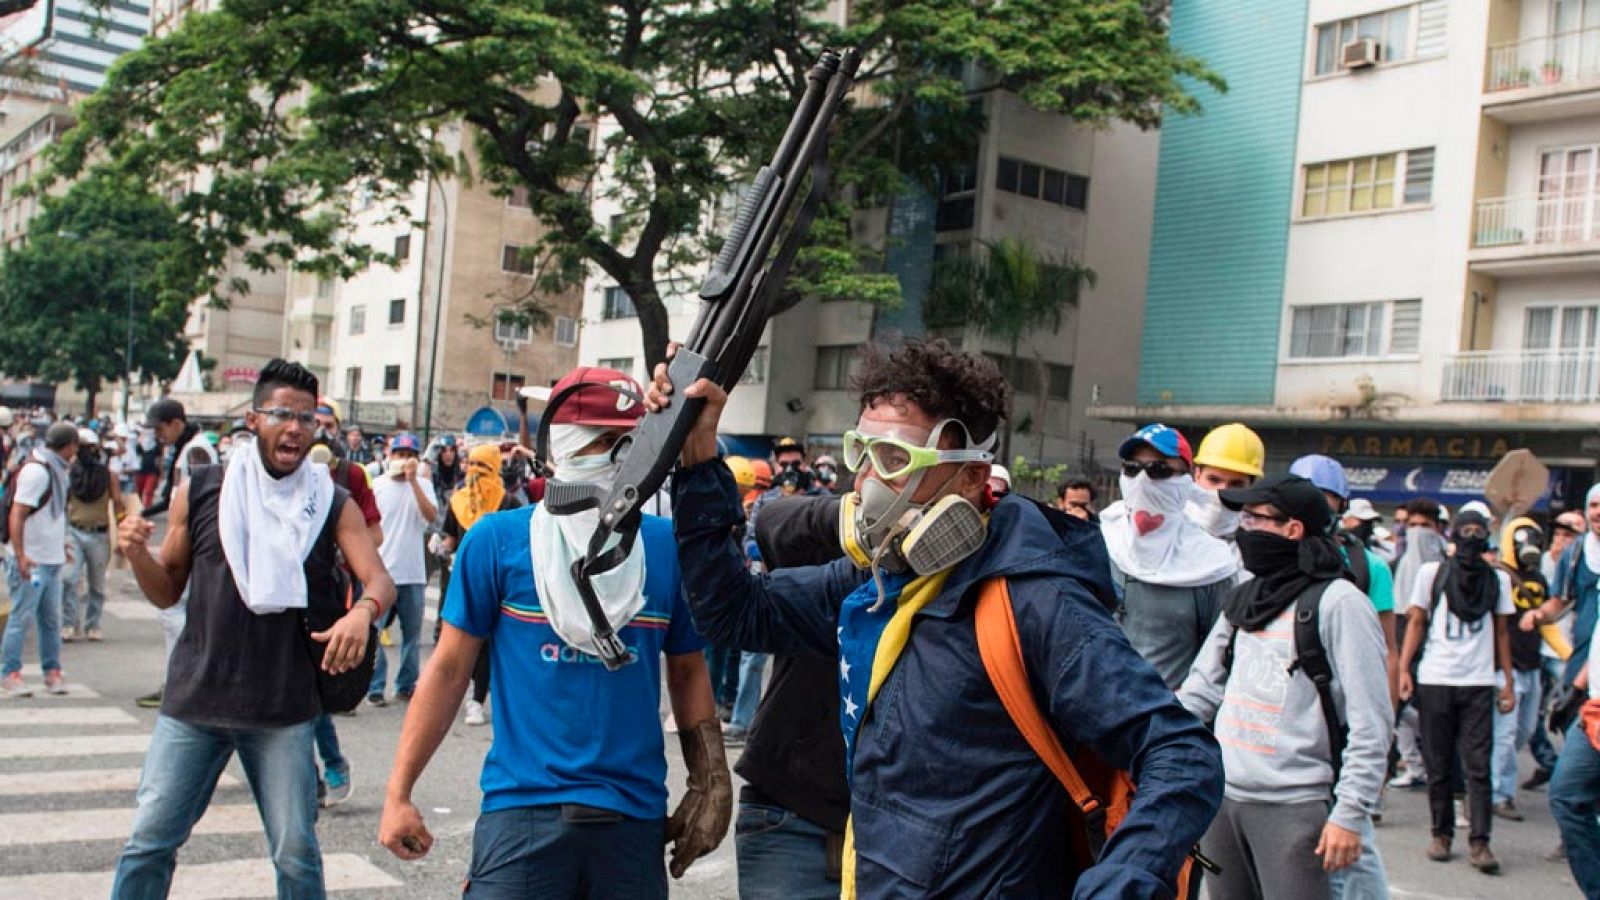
x,y
595,403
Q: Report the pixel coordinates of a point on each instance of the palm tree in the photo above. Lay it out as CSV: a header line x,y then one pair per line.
x,y
1007,290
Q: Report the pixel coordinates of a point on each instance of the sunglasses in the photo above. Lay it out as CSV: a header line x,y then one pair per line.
x,y
892,458
279,415
1158,470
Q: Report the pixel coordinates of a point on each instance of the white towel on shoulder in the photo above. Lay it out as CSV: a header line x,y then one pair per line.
x,y
268,527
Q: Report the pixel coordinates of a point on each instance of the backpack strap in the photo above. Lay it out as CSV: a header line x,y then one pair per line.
x,y
1311,657
1001,651
1356,560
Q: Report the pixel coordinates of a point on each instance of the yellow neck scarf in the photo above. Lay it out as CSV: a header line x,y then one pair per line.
x,y
896,634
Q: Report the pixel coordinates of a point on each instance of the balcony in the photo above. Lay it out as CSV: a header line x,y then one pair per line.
x,y
1529,376
1551,233
1552,76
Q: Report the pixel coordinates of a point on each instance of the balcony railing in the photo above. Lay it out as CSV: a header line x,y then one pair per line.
x,y
1566,58
1529,376
1553,220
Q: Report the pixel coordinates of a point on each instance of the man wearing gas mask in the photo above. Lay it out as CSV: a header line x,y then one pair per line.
x,y
947,796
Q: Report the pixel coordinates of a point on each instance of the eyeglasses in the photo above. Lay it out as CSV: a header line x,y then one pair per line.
x,y
1158,470
279,415
892,458
1253,521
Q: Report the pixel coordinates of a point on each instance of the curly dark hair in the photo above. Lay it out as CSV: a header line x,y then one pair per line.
x,y
945,382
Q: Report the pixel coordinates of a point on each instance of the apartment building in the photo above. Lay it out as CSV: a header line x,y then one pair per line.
x,y
1382,242
69,45
421,343
1071,193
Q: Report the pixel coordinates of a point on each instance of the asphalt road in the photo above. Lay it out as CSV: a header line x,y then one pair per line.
x,y
68,768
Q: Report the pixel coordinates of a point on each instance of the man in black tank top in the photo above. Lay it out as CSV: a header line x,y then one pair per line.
x,y
242,677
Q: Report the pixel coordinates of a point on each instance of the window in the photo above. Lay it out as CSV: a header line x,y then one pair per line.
x,y
1405,326
566,331
756,372
835,365
1391,29
1337,330
623,364
321,336
515,261
1419,176
519,198
506,385
358,319
507,330
352,381
617,304
402,248
1024,376
1366,183
1569,328
391,379
1042,183
324,288
397,311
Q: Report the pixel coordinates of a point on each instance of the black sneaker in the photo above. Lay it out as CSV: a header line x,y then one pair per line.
x,y
376,699
149,701
1539,778
404,696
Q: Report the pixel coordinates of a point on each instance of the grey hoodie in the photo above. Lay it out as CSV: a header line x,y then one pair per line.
x,y
1274,739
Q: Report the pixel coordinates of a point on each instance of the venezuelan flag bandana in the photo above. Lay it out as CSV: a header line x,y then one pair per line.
x,y
870,643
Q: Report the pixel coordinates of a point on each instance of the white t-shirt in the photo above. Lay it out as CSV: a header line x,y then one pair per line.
x,y
1458,654
403,549
197,444
44,535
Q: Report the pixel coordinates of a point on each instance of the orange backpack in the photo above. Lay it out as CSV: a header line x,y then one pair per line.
x,y
1101,795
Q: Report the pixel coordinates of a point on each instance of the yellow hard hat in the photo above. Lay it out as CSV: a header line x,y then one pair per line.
x,y
743,474
1233,447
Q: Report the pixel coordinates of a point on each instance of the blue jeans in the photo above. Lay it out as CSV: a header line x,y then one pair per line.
x,y
1544,752
91,551
1365,879
328,744
1511,731
543,852
30,602
409,601
180,774
1575,802
781,855
752,669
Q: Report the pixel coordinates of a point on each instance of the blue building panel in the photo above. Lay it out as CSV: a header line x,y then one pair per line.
x,y
1224,192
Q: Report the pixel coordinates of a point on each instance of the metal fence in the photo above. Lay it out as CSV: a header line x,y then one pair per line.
x,y
1555,376
1564,58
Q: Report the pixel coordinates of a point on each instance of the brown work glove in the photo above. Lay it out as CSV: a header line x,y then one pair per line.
x,y
701,820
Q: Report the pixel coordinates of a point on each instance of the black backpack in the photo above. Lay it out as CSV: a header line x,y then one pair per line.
x,y
1311,657
1356,561
11,496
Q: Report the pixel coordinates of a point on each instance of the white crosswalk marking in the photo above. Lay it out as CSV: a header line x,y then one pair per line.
x,y
132,612
41,744
74,745
66,715
80,781
17,829
205,881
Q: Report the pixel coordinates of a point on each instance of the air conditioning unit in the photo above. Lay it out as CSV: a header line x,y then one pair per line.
x,y
1359,54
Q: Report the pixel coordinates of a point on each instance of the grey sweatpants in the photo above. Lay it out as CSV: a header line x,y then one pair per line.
x,y
1267,851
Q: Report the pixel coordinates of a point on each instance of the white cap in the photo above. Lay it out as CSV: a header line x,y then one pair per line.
x,y
1361,508
1479,507
5,417
88,438
1001,473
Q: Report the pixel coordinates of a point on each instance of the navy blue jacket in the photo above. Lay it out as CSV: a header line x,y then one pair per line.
x,y
948,799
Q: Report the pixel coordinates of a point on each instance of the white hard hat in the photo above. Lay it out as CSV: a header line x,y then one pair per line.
x,y
88,438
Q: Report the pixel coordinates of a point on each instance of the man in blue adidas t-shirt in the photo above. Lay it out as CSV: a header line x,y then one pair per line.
x,y
574,785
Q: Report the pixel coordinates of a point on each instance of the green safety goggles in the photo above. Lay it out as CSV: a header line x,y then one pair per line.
x,y
893,458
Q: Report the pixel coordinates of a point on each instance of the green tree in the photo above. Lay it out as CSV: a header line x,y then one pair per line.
x,y
298,106
104,263
1007,290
